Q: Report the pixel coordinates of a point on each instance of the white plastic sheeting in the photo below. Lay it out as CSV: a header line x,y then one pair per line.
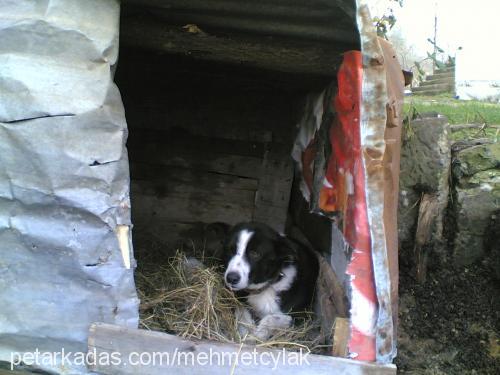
x,y
477,76
64,180
55,56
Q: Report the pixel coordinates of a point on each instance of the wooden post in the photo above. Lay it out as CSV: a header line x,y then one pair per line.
x,y
426,217
340,337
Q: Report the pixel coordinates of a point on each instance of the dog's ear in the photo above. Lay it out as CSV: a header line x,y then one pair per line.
x,y
218,229
214,238
287,250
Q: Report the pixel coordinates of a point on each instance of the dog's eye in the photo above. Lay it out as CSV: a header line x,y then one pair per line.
x,y
254,254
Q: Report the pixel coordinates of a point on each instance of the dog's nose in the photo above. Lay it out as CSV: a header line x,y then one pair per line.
x,y
233,278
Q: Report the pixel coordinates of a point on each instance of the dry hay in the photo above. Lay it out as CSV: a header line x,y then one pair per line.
x,y
186,298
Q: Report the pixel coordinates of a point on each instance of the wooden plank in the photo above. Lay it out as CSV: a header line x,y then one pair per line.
x,y
179,141
180,195
463,144
168,354
340,337
332,289
217,102
306,57
170,234
191,238
274,175
219,194
146,208
195,180
213,161
275,185
156,115
427,211
458,127
272,216
274,191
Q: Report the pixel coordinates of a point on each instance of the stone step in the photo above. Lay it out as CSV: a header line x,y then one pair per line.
x,y
448,69
449,81
430,92
443,87
438,75
433,91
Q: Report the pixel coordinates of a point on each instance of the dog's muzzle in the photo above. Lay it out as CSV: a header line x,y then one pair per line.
x,y
232,279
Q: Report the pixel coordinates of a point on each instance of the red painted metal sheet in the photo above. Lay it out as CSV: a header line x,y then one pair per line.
x,y
344,191
361,184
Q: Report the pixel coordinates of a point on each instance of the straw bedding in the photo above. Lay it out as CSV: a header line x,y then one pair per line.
x,y
187,297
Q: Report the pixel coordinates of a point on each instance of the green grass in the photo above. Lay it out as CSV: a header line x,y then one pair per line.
x,y
458,112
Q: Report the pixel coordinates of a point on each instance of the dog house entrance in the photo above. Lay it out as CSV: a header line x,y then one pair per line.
x,y
207,143
211,130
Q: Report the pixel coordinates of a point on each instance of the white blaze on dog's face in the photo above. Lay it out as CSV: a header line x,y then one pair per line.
x,y
238,269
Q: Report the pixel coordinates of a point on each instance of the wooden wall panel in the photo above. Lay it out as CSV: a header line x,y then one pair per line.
x,y
205,147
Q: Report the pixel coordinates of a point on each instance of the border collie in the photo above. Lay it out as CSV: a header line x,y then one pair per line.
x,y
274,274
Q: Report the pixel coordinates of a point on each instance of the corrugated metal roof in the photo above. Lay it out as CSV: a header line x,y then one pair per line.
x,y
319,20
294,35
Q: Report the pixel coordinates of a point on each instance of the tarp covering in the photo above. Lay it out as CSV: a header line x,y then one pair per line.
x,y
65,254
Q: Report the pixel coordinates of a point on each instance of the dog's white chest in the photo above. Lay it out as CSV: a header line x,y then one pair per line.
x,y
268,302
265,302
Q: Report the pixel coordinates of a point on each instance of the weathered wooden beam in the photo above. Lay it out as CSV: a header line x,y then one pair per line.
x,y
426,216
284,8
186,210
340,337
308,20
458,127
266,53
275,184
465,143
216,162
168,354
184,143
152,117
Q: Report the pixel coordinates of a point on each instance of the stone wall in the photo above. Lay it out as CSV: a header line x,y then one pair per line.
x,y
476,199
465,213
425,169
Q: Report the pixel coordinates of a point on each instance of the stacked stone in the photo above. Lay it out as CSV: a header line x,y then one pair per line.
x,y
476,200
425,169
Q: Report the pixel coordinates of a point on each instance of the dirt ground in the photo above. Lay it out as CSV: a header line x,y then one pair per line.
x,y
451,324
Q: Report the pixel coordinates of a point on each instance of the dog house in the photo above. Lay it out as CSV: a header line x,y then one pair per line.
x,y
223,111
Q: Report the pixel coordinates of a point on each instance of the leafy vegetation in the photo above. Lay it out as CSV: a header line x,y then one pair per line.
x,y
387,21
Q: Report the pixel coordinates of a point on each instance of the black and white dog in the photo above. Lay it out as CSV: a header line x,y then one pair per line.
x,y
275,275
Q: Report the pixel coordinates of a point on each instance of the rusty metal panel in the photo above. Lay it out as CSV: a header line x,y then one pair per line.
x,y
360,184
381,154
395,89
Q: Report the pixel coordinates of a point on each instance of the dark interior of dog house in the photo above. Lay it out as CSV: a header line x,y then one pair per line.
x,y
208,142
213,93
211,121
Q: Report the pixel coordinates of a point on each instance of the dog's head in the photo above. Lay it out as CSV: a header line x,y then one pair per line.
x,y
255,255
